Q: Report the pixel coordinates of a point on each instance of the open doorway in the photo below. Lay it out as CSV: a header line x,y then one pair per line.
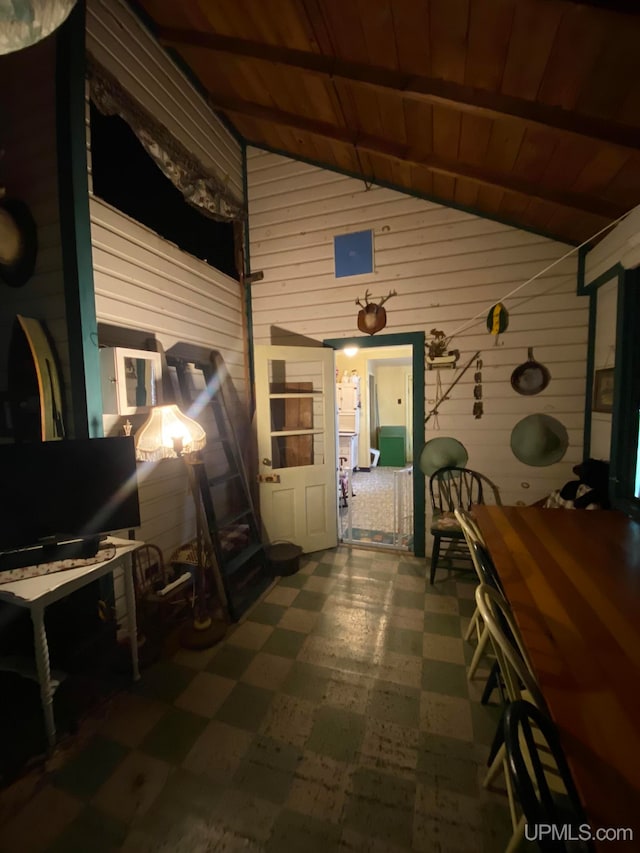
x,y
380,422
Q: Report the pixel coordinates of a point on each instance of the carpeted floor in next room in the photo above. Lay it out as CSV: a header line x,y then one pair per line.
x,y
336,717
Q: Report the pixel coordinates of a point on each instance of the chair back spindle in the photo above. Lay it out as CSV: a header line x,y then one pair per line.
x,y
455,488
451,488
541,777
509,649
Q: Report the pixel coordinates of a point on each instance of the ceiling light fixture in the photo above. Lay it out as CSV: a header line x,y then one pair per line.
x,y
25,22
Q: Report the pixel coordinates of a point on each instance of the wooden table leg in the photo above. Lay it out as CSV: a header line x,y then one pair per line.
x,y
131,617
44,673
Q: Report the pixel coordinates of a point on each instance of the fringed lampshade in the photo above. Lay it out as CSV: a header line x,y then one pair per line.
x,y
167,433
25,22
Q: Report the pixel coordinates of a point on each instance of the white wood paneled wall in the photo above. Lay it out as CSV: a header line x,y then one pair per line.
x,y
28,171
119,41
447,265
621,245
143,281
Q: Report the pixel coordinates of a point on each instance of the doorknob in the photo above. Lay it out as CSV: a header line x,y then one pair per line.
x,y
266,461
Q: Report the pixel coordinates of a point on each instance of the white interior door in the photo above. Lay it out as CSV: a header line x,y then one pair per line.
x,y
296,427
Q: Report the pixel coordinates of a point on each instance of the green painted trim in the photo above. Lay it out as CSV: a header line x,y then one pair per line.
x,y
75,226
603,278
616,271
423,196
247,289
624,437
581,289
417,342
626,398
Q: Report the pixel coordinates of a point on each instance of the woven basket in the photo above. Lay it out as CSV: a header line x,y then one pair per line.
x,y
283,557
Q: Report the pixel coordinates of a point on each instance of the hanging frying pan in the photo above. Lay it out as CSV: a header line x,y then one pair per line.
x,y
531,377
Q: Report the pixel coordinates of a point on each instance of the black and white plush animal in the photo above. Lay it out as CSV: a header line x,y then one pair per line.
x,y
590,491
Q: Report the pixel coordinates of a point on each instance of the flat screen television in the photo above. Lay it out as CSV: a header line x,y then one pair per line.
x,y
54,491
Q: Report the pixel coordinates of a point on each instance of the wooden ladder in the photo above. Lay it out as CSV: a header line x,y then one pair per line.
x,y
206,394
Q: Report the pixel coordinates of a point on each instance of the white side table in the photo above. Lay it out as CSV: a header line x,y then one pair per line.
x,y
38,592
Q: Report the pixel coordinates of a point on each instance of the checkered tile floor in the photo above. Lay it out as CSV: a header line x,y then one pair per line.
x,y
336,717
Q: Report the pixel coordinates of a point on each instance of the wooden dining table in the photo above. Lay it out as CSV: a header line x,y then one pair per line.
x,y
572,578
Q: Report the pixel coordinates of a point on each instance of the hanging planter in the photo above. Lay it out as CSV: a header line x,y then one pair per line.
x,y
437,353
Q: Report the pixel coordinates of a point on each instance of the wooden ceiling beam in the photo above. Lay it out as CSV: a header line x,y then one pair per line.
x,y
417,87
404,154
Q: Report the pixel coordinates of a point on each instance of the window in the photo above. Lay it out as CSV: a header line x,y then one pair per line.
x,y
127,178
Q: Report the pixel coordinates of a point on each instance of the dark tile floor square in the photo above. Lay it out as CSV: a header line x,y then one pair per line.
x,y
307,681
447,624
408,598
245,707
381,807
450,764
93,831
90,768
443,677
295,581
284,643
174,735
308,600
412,569
297,833
326,570
267,614
404,641
164,680
267,770
485,719
230,661
395,703
336,733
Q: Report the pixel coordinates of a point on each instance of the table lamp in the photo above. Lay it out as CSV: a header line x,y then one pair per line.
x,y
166,434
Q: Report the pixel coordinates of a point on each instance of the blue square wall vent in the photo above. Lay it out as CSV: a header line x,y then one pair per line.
x,y
353,253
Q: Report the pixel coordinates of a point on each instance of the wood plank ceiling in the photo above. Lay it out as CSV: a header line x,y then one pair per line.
x,y
526,110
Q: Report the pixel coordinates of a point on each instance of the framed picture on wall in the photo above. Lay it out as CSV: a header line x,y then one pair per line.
x,y
603,390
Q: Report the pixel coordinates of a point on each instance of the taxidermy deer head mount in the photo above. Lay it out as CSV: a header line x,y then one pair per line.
x,y
372,317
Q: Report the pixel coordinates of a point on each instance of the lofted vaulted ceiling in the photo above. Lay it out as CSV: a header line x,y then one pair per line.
x,y
525,110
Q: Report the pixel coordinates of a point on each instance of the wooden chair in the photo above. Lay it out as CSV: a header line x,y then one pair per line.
x,y
346,483
450,488
472,534
343,480
512,658
487,575
540,780
517,675
486,572
161,597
